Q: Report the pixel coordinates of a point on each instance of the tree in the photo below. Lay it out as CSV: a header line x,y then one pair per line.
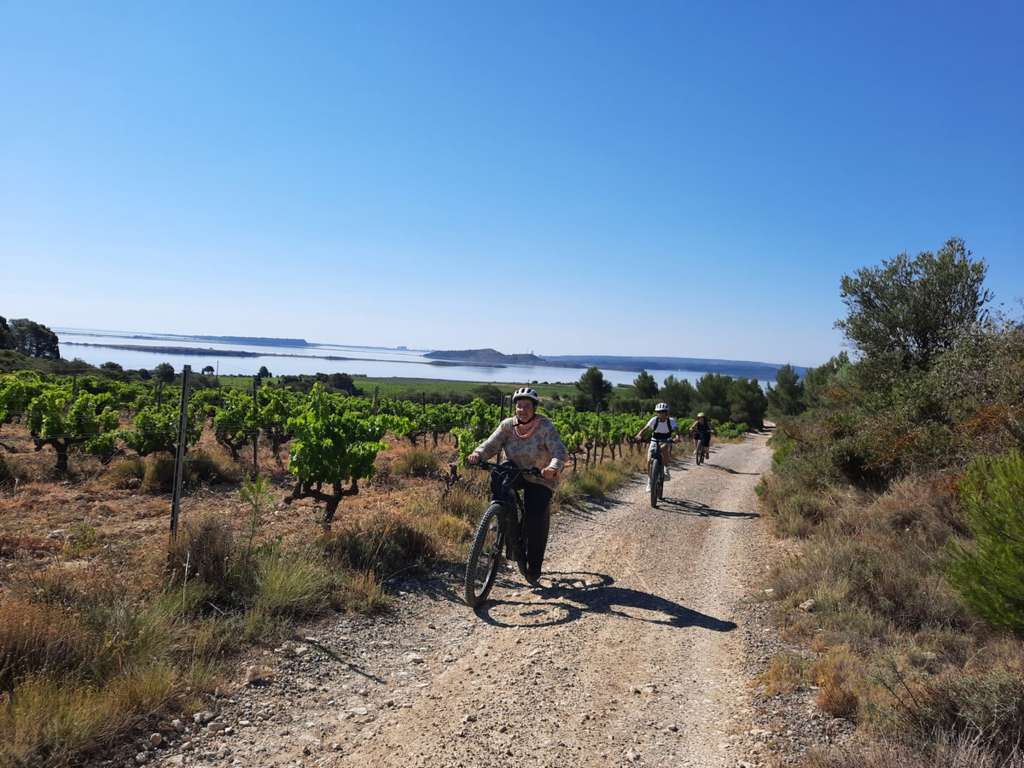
x,y
111,367
594,390
263,373
6,337
489,394
818,381
61,420
679,394
33,339
646,386
902,314
747,403
713,396
164,373
208,370
988,571
331,446
786,398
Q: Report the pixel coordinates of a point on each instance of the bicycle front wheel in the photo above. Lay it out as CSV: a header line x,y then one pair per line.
x,y
655,481
485,556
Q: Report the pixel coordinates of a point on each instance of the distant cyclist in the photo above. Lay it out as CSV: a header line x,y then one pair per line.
x,y
701,433
662,427
530,441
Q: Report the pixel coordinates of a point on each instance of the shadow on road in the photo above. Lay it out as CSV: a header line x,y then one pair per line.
x,y
730,471
687,507
569,596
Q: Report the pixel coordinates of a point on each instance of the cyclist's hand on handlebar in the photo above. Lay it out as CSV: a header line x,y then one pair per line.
x,y
473,458
549,473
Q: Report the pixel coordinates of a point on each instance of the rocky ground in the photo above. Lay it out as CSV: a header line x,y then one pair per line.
x,y
641,648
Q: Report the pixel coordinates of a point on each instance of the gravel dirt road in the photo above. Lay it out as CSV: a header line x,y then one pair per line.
x,y
629,653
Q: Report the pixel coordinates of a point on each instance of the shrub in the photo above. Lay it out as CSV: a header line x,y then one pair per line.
x,y
835,675
797,515
159,475
384,543
203,550
786,673
961,753
210,468
989,571
416,462
127,474
986,708
6,475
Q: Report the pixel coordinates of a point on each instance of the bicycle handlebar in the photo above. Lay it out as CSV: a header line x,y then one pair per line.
x,y
493,465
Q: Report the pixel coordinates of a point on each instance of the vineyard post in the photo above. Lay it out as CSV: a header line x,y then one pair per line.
x,y
179,454
256,432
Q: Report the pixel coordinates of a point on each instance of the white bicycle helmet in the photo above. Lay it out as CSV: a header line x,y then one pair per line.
x,y
528,392
661,408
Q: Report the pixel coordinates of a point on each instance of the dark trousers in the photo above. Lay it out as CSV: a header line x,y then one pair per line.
x,y
536,522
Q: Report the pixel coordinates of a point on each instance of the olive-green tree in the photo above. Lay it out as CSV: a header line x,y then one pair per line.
x,y
646,385
903,313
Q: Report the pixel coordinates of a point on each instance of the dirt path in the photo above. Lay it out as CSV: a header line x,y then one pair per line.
x,y
628,656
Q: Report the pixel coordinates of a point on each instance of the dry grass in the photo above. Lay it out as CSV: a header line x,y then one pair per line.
x,y
598,480
836,675
961,753
386,542
41,639
52,721
362,592
416,462
786,673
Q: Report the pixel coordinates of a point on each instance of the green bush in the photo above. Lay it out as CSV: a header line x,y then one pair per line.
x,y
988,571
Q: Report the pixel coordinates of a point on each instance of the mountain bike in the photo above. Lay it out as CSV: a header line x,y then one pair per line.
x,y
657,470
499,533
701,453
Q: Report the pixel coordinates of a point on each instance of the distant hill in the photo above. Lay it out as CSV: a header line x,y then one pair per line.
x,y
489,356
746,369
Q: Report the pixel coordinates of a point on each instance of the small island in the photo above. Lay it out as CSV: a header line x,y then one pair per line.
x,y
487,356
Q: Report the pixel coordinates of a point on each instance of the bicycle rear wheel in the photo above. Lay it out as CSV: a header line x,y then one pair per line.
x,y
656,479
485,556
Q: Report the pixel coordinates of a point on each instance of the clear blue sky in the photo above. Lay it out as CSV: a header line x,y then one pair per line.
x,y
636,178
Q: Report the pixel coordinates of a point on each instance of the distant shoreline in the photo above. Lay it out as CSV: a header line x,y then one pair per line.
x,y
210,352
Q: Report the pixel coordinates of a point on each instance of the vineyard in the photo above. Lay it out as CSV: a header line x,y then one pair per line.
x,y
327,441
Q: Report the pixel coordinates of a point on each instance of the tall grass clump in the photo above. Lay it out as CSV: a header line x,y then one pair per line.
x,y
385,543
416,462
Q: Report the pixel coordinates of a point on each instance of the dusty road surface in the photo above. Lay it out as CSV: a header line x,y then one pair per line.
x,y
628,655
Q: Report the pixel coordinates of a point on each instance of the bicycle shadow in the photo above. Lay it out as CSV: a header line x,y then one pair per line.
x,y
698,509
726,469
569,596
